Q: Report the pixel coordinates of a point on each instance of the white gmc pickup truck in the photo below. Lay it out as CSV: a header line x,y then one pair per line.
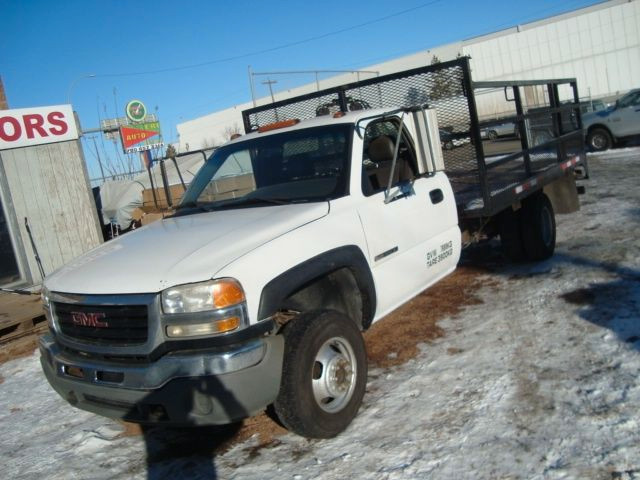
x,y
290,241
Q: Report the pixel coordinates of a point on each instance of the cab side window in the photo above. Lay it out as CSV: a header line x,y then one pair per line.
x,y
632,99
379,145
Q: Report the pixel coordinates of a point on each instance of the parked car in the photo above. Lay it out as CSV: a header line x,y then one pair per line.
x,y
492,132
450,140
606,127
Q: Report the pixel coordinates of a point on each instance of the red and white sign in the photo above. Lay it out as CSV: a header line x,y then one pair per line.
x,y
23,127
131,135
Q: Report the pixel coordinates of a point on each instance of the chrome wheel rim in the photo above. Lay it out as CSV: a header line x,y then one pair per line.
x,y
598,142
334,374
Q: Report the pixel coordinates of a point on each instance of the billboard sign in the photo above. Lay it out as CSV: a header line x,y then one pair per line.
x,y
139,137
23,127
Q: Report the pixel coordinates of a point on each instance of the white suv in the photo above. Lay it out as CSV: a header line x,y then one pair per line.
x,y
603,128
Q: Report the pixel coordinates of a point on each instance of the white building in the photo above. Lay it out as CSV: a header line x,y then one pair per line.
x,y
598,45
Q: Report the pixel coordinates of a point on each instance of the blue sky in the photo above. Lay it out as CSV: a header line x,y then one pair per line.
x,y
190,58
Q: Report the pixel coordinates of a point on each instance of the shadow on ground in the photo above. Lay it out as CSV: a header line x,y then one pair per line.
x,y
614,304
185,452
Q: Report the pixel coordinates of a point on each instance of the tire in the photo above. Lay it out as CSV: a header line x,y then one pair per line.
x,y
599,139
448,145
510,233
492,134
324,374
538,225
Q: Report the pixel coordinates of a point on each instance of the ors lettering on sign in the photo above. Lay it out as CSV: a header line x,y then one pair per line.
x,y
35,126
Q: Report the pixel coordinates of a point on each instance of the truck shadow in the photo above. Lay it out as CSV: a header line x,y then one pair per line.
x,y
613,304
187,451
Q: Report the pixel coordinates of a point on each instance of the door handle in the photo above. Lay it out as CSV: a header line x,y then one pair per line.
x,y
436,196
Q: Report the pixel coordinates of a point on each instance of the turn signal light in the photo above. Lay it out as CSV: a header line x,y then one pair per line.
x,y
208,328
277,125
227,293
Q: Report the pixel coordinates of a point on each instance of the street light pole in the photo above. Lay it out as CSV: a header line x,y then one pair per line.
x,y
76,80
253,93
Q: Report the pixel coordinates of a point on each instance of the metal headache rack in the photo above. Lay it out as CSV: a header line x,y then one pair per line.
x,y
487,173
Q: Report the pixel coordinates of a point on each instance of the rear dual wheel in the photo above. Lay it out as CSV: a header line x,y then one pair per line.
x,y
530,232
324,374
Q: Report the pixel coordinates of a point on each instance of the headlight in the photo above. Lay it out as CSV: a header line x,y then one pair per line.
x,y
45,296
218,307
202,297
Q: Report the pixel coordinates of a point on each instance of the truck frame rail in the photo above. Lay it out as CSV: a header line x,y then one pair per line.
x,y
487,173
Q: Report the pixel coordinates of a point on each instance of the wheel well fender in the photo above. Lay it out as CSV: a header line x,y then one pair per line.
x,y
602,126
327,280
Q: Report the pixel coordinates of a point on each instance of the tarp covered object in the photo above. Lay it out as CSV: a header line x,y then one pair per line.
x,y
120,197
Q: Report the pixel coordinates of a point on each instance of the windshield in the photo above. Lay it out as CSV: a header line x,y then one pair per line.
x,y
297,166
631,98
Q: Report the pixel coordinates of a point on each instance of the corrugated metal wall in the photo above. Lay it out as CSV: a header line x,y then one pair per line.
x,y
48,185
600,48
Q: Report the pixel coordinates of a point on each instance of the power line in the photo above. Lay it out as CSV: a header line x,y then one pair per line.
x,y
273,49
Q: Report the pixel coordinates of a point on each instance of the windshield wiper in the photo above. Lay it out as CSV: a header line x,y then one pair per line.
x,y
269,200
193,204
184,208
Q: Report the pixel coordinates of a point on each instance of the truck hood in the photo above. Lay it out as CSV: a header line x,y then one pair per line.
x,y
179,250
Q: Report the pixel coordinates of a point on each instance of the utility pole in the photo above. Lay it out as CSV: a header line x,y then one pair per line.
x,y
270,82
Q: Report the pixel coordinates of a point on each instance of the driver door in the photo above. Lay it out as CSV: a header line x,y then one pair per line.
x,y
627,115
414,239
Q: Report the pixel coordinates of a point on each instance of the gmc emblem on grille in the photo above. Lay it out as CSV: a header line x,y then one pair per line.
x,y
89,319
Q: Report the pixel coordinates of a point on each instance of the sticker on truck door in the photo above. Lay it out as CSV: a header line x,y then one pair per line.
x,y
436,256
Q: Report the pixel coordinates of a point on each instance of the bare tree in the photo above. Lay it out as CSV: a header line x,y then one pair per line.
x,y
231,131
208,143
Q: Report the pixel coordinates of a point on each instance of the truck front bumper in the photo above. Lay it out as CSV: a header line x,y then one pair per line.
x,y
182,388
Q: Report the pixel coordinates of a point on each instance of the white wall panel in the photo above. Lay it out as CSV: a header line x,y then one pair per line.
x,y
48,185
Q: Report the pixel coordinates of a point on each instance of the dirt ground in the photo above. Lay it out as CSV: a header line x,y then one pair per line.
x,y
22,347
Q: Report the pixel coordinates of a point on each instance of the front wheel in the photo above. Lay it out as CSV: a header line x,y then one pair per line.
x,y
324,374
599,139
